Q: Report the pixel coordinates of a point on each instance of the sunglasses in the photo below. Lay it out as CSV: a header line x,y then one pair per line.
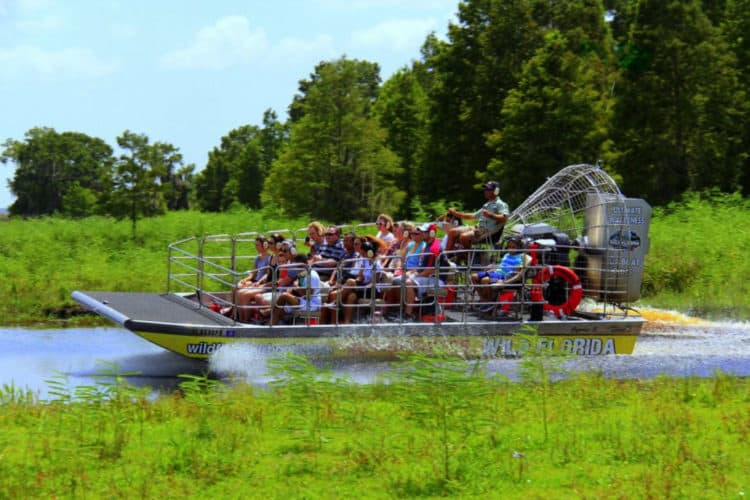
x,y
330,234
380,223
414,233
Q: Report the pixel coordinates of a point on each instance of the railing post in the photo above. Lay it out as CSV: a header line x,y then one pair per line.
x,y
201,266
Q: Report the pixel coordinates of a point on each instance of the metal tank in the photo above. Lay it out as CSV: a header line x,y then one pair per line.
x,y
616,244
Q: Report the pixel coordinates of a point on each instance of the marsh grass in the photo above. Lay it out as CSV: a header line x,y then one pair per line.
x,y
43,260
438,427
698,258
697,261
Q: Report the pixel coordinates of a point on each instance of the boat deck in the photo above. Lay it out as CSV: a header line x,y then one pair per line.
x,y
153,307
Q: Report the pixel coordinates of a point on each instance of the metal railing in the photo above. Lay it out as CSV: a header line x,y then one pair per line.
x,y
209,270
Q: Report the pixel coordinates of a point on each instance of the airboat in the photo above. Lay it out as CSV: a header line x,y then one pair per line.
x,y
587,243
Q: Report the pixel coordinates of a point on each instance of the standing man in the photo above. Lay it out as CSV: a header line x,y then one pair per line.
x,y
491,216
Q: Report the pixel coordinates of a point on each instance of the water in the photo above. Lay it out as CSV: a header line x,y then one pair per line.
x,y
675,346
29,358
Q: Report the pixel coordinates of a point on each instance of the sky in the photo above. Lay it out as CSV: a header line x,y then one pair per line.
x,y
186,72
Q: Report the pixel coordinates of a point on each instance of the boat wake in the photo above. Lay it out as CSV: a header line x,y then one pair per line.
x,y
669,322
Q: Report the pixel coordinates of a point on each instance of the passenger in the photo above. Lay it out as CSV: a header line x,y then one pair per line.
x,y
385,228
284,278
343,270
508,271
315,239
447,222
331,253
305,296
360,285
414,249
422,279
339,276
491,216
275,242
256,280
409,260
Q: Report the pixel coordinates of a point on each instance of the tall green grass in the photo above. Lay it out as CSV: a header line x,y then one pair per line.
x,y
436,428
43,260
698,261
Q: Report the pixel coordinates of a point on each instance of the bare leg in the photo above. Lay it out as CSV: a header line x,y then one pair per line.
x,y
410,296
466,238
453,234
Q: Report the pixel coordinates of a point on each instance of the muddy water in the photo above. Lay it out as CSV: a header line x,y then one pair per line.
x,y
670,345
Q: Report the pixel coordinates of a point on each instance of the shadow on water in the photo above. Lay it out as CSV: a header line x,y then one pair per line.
x,y
29,358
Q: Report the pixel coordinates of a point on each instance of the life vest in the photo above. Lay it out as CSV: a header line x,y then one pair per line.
x,y
575,294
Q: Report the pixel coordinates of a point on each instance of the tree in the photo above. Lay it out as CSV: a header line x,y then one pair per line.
x,y
336,165
679,102
556,116
49,164
135,183
473,74
402,111
236,170
735,27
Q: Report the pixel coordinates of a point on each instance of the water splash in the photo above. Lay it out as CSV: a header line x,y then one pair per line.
x,y
246,362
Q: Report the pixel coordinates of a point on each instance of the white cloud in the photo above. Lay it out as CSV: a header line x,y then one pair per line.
x,y
54,64
396,35
320,47
228,42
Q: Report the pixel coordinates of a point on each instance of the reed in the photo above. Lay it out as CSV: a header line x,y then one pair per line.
x,y
437,427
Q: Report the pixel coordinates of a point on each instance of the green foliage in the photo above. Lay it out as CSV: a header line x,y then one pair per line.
x,y
336,165
556,115
697,262
662,438
445,397
43,260
236,171
49,165
402,111
678,104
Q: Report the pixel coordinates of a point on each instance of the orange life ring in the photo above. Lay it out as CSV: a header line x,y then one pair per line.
x,y
570,277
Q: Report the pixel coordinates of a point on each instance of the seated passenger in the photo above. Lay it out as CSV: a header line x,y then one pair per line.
x,y
315,239
408,261
491,216
424,278
391,259
364,271
305,296
385,228
339,276
257,277
282,278
508,271
330,253
447,222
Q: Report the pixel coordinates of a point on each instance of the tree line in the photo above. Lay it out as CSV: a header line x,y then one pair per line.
x,y
654,89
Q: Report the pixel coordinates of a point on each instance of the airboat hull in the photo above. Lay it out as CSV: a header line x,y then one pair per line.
x,y
183,326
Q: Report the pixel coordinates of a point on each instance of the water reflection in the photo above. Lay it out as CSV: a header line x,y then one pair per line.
x,y
30,358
